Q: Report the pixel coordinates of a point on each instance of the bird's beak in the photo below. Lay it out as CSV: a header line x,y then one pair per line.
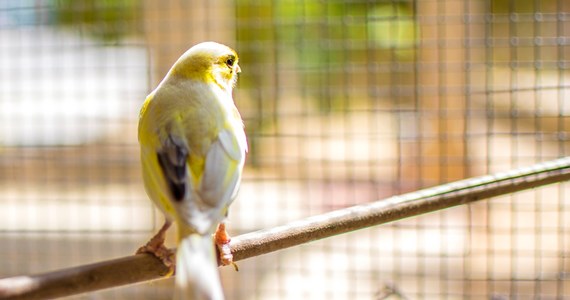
x,y
238,69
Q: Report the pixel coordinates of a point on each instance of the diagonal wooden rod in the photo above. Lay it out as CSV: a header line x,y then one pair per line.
x,y
143,267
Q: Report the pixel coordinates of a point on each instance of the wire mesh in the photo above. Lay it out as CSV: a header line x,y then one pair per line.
x,y
344,102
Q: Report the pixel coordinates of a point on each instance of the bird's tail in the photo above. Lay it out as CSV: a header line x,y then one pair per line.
x,y
197,274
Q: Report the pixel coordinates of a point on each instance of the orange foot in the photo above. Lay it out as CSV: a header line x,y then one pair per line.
x,y
222,240
156,247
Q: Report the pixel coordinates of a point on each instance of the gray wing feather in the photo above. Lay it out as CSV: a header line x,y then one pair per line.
x,y
222,174
172,158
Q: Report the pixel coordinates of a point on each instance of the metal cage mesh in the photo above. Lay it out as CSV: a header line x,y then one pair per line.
x,y
345,102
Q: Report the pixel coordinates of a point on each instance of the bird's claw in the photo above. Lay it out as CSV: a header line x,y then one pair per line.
x,y
222,240
156,247
225,253
166,255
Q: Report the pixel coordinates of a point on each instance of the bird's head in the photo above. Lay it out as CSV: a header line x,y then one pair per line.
x,y
209,62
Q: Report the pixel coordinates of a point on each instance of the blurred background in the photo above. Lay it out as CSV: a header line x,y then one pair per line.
x,y
344,101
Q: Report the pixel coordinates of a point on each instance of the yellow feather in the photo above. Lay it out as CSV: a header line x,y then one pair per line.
x,y
196,164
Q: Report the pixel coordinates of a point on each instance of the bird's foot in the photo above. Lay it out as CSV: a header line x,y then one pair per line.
x,y
222,241
166,255
156,247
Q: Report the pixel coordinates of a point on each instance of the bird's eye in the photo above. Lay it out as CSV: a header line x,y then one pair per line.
x,y
230,61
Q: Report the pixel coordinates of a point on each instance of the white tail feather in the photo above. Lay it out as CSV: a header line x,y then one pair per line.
x,y
197,276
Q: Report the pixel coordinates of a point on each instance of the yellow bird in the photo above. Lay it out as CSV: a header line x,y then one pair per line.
x,y
193,148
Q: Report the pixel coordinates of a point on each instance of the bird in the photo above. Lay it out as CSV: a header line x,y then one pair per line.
x,y
193,147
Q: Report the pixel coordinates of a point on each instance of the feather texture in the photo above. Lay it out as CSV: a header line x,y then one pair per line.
x,y
172,158
197,275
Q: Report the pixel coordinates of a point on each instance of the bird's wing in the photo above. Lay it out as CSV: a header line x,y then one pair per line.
x,y
172,158
223,168
201,199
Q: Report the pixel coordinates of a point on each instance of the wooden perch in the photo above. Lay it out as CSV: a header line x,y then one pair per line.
x,y
145,267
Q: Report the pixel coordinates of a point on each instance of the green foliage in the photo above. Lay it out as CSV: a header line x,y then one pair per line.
x,y
109,20
321,39
392,26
